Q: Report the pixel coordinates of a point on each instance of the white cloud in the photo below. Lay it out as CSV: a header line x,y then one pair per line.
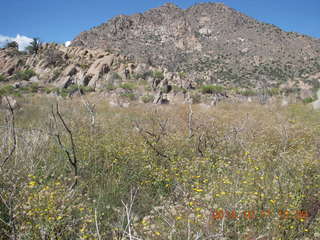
x,y
67,43
22,41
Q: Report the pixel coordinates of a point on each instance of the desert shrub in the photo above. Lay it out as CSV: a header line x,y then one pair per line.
x,y
235,165
34,46
110,87
56,74
128,86
54,57
31,88
7,90
177,89
147,98
212,89
2,78
273,91
25,75
129,95
196,98
73,88
158,75
308,100
12,44
247,92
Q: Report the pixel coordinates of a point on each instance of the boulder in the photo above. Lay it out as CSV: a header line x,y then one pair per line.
x,y
34,79
98,68
316,105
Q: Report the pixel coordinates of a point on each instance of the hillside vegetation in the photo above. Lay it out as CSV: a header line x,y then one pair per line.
x,y
90,171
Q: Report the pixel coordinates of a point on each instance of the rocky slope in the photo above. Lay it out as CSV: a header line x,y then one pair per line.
x,y
205,53
210,43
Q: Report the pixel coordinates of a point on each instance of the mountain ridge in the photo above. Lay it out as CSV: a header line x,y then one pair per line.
x,y
208,41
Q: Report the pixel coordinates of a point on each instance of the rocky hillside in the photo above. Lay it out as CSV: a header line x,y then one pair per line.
x,y
210,43
60,70
206,53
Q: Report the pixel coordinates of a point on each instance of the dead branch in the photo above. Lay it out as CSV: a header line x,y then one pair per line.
x,y
72,157
13,133
143,132
190,121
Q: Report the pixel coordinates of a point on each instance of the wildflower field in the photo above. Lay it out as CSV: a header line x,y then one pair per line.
x,y
184,172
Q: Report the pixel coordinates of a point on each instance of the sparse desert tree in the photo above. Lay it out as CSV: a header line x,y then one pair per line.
x,y
34,46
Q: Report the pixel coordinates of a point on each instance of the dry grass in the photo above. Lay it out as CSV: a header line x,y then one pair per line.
x,y
160,172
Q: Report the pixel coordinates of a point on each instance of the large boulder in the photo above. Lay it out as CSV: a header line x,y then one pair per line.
x,y
99,68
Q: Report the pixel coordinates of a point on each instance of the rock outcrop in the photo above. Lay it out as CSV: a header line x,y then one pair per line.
x,y
210,43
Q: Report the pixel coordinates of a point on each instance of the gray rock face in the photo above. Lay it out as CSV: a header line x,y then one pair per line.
x,y
208,41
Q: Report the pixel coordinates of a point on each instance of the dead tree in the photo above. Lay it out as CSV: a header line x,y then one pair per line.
x,y
71,154
10,120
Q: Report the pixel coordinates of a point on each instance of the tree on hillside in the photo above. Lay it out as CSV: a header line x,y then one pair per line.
x,y
34,46
12,44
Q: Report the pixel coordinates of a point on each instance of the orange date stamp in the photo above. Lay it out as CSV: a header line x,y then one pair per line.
x,y
220,214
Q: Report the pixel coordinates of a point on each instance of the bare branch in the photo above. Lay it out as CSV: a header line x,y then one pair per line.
x,y
13,133
72,157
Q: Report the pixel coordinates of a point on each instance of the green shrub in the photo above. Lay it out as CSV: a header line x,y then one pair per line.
x,y
212,89
2,78
130,96
56,75
6,90
274,91
128,86
147,98
308,100
30,88
64,92
12,44
158,75
110,87
247,92
25,75
34,46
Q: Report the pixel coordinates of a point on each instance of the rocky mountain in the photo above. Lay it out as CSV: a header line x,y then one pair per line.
x,y
205,53
210,43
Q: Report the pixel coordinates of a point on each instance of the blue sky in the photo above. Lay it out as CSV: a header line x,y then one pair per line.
x,y
61,20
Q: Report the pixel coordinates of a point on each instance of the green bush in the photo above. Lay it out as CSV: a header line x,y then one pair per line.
x,y
13,44
212,89
177,89
158,75
34,46
308,100
25,75
128,86
147,98
247,92
6,90
2,78
130,96
64,92
274,91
